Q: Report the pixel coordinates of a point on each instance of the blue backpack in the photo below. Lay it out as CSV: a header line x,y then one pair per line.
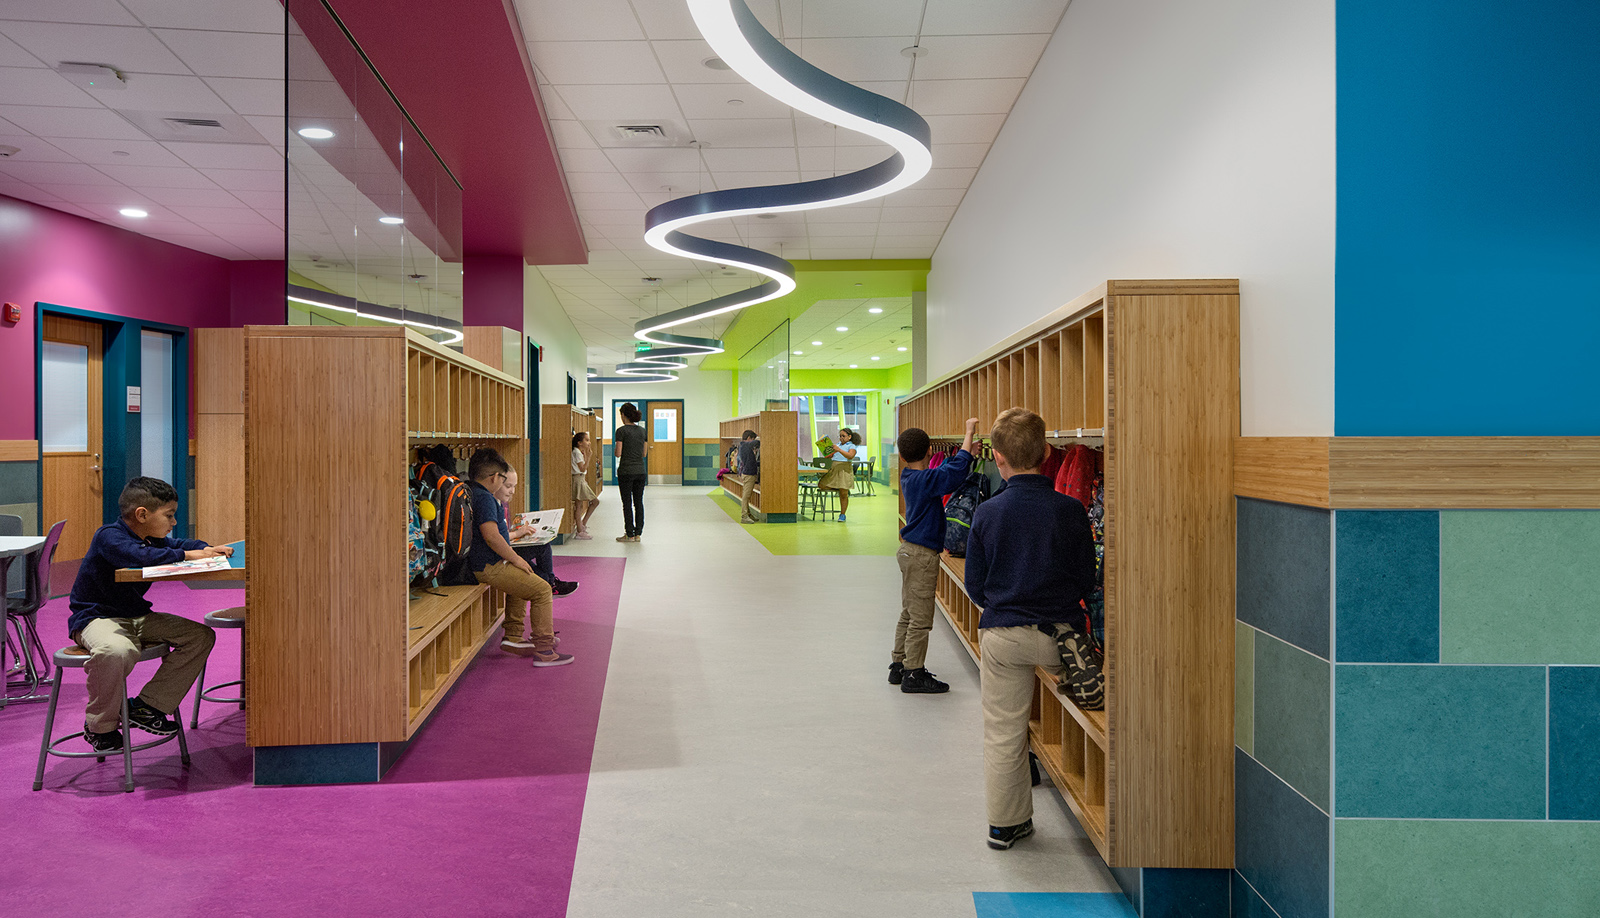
x,y
958,512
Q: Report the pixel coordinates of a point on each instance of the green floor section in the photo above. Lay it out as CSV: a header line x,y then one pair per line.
x,y
872,527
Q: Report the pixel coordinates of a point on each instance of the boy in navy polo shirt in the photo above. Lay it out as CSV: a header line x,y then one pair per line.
x,y
1030,559
113,621
921,540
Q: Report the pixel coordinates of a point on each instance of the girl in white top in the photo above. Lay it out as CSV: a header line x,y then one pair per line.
x,y
841,475
584,500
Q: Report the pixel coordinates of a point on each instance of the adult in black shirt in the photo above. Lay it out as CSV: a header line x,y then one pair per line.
x,y
631,444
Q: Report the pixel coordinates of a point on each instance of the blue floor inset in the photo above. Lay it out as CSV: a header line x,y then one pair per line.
x,y
1052,905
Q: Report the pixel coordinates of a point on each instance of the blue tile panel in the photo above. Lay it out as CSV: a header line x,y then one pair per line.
x,y
1280,841
19,483
1247,903
1051,905
333,763
1291,719
1440,742
1387,586
1283,572
1179,893
1575,742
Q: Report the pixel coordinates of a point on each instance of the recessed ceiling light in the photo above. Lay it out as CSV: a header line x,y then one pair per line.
x,y
315,133
798,353
875,358
842,328
392,221
853,366
132,212
120,153
715,63
899,348
816,344
735,101
874,310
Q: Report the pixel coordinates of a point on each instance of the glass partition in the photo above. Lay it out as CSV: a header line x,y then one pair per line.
x,y
374,216
764,374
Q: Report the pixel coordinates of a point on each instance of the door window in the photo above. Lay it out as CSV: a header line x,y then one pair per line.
x,y
65,399
155,408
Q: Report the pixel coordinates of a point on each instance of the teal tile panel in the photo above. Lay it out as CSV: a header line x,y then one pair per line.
x,y
1440,742
1387,585
1283,582
1520,586
1465,869
1051,905
1292,694
1244,699
1575,742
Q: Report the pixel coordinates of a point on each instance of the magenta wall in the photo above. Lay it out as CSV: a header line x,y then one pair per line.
x,y
51,257
491,290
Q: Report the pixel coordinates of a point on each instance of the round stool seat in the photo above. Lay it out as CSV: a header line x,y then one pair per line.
x,y
226,618
76,657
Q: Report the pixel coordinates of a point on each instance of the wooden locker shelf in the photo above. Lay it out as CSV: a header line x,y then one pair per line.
x,y
779,489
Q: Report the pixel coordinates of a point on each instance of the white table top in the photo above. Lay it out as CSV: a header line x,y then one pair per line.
x,y
13,546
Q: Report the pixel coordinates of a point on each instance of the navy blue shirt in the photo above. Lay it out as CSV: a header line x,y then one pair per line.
x,y
1030,557
97,594
485,509
747,457
923,489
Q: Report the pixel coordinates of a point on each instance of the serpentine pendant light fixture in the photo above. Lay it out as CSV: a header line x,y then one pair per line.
x,y
751,51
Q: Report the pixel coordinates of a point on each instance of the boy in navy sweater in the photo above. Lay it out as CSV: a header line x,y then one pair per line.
x,y
113,621
921,540
1030,559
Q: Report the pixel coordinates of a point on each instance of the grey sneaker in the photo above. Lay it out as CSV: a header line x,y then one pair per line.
x,y
551,658
1003,837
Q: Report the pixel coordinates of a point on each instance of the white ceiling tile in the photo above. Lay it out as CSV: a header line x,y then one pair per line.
x,y
965,97
866,212
38,86
911,228
827,253
550,102
836,160
815,133
925,241
621,103
37,173
13,55
156,92
966,57
684,63
947,178
228,54
829,240
928,197
750,159
195,197
260,200
572,135
593,182
655,160
585,161
44,121
85,11
227,155
965,128
591,202
563,62
592,20
132,50
706,101
861,59
882,251
250,97
105,152
226,216
662,21
851,18
753,179
652,182
959,155
26,192
744,132
963,17
35,150
270,128
113,195
247,179
233,16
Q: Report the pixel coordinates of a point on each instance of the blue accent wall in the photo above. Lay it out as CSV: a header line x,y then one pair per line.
x,y
1468,265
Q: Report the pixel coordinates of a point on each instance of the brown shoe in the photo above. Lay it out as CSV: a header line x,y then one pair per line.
x,y
519,647
551,658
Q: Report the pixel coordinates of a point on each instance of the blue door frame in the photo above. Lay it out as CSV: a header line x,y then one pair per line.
x,y
121,364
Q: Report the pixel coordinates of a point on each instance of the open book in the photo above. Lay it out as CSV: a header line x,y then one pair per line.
x,y
545,523
198,566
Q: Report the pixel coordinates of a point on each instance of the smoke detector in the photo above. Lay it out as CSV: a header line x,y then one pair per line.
x,y
7,151
93,76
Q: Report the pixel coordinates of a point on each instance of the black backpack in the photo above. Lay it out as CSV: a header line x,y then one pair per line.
x,y
958,512
448,535
1084,680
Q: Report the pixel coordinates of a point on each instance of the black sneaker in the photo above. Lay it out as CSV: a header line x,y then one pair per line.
x,y
921,682
563,587
896,672
150,720
1033,769
1003,837
110,741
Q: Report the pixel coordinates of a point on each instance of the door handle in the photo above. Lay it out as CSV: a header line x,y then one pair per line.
x,y
95,468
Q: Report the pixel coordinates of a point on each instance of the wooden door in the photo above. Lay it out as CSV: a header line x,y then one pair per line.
x,y
663,422
74,488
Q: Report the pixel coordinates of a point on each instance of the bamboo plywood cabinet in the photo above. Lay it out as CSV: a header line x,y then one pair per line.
x,y
219,433
778,493
557,425
331,656
1148,370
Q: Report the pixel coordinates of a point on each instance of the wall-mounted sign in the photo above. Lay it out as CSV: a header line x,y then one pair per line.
x,y
133,399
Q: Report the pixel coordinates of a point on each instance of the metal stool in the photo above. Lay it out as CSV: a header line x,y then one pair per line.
x,y
75,657
222,618
808,499
827,502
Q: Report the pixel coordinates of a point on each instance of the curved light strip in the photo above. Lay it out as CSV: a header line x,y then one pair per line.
x,y
459,337
750,51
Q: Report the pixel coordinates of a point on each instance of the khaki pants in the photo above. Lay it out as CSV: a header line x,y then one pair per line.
x,y
919,572
524,593
114,645
1006,669
748,483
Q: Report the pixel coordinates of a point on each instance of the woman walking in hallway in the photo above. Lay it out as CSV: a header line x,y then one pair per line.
x,y
631,445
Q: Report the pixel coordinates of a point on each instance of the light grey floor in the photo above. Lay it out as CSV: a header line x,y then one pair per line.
x,y
753,760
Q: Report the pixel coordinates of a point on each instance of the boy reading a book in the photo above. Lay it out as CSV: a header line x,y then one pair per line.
x,y
113,621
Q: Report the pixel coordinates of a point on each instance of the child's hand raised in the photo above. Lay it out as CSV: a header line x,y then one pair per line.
x,y
972,426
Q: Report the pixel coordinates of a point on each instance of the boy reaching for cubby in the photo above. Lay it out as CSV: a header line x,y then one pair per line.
x,y
921,540
1030,561
114,622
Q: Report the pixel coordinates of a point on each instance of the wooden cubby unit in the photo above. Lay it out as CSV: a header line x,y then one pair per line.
x,y
341,649
557,425
777,495
1149,371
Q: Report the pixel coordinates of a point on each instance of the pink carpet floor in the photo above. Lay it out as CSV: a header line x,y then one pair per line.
x,y
479,817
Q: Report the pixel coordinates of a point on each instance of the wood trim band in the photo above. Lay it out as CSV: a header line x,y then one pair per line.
x,y
19,450
1402,473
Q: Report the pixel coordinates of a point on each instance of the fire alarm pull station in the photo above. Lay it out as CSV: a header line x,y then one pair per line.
x,y
13,313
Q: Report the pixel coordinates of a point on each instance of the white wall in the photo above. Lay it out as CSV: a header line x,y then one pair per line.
x,y
1164,138
546,322
707,399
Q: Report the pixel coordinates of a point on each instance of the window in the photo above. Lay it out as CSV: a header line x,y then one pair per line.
x,y
155,405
